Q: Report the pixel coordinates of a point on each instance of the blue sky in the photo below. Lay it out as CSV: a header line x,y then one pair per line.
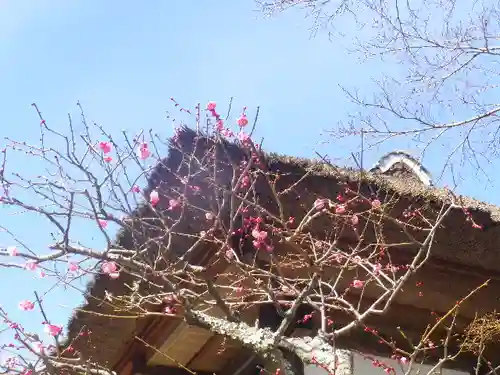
x,y
123,60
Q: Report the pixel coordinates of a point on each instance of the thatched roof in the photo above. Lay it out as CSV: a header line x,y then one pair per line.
x,y
460,243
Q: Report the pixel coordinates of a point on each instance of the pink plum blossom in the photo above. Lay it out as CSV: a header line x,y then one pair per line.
x,y
243,137
143,152
154,198
340,209
72,266
26,305
319,204
109,267
173,204
242,121
105,147
12,251
259,235
53,330
169,310
211,106
39,347
245,181
358,284
219,125
31,265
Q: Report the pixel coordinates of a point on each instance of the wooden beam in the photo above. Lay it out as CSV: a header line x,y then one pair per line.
x,y
193,346
154,329
408,320
165,370
443,284
181,346
432,287
141,369
243,363
214,355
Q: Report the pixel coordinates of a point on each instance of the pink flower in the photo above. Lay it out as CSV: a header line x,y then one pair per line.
x,y
154,198
242,121
135,189
109,267
340,209
72,266
358,284
26,305
259,235
143,151
211,106
227,133
376,203
53,330
12,251
245,181
108,159
31,265
219,125
105,147
209,216
102,223
354,220
114,275
173,204
319,204
230,254
195,188
169,310
39,347
243,137
403,360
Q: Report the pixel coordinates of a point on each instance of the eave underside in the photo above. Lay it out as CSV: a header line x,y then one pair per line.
x,y
419,307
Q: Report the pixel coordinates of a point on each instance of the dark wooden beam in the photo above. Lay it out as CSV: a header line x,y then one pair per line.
x,y
139,367
408,320
244,363
164,370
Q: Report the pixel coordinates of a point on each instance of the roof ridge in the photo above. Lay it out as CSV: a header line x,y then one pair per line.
x,y
387,161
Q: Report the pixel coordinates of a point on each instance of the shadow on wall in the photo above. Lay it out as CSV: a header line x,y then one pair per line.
x,y
365,366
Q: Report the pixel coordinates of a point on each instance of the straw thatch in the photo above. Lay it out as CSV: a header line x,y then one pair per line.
x,y
459,244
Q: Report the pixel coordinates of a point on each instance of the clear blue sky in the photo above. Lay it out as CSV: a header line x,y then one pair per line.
x,y
123,60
